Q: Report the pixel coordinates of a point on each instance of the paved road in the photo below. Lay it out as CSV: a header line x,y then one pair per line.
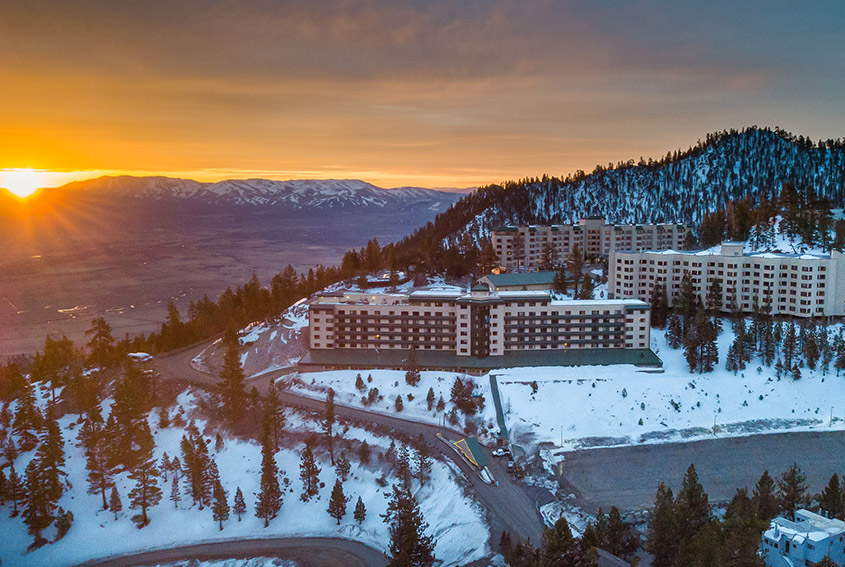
x,y
627,477
306,552
510,508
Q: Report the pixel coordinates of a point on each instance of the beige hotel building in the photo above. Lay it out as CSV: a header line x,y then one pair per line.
x,y
800,285
522,246
474,330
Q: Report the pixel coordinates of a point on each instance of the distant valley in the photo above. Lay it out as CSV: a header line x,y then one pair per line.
x,y
124,247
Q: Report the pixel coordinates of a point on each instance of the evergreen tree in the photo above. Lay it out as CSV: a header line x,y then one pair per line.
x,y
275,413
232,379
430,399
686,302
792,490
51,456
240,506
359,383
360,513
587,286
412,368
38,507
146,492
328,423
559,547
559,283
423,462
343,467
398,404
674,332
409,546
15,490
789,344
714,297
832,500
659,305
337,502
64,520
175,495
575,265
441,405
269,500
691,508
663,537
764,500
741,532
4,487
101,345
220,508
93,438
28,418
403,467
364,453
309,472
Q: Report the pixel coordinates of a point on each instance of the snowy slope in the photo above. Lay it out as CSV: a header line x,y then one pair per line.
x,y
455,520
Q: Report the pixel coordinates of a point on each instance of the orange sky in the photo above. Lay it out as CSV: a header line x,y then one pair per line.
x,y
429,93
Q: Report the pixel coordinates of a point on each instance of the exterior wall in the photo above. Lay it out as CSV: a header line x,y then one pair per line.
x,y
479,324
801,286
523,246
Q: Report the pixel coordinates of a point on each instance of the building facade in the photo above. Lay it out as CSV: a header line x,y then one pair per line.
x,y
525,246
805,542
479,324
800,285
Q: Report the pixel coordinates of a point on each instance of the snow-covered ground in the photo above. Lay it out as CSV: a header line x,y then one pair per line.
x,y
390,383
454,520
580,407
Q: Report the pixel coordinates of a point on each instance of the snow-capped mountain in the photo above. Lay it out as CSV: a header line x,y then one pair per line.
x,y
324,194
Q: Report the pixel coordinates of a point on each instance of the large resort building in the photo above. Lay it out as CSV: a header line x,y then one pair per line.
x,y
799,285
474,331
525,246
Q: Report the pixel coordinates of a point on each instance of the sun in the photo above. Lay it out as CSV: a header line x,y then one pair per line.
x,y
21,182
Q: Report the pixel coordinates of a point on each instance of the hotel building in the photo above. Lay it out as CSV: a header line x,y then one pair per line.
x,y
523,246
801,285
477,330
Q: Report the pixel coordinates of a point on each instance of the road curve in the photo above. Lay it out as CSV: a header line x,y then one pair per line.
x,y
304,551
509,506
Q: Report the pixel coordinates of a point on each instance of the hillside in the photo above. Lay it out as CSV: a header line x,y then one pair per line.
x,y
680,187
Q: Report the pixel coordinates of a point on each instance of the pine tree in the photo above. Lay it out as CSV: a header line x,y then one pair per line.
x,y
16,490
659,305
691,508
789,344
51,456
674,332
398,404
64,520
364,453
309,472
360,513
359,383
403,467
441,405
328,423
175,495
741,530
101,344
232,379
275,412
831,500
38,508
792,490
412,369
92,437
409,546
28,418
686,302
220,508
240,506
337,502
343,467
764,500
423,462
575,265
146,492
559,547
4,487
429,399
269,500
559,283
662,529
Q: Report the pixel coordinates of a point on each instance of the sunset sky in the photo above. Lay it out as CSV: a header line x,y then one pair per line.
x,y
455,93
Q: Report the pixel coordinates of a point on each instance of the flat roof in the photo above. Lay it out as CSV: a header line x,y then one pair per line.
x,y
391,358
716,251
527,278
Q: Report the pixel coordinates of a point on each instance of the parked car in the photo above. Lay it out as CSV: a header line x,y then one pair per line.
x,y
511,465
501,452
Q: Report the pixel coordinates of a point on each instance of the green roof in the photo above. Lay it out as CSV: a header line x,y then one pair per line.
x,y
396,358
505,229
527,278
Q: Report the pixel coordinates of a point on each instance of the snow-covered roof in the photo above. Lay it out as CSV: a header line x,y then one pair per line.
x,y
808,526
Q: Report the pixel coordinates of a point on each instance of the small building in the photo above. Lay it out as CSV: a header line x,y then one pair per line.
x,y
528,281
805,542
